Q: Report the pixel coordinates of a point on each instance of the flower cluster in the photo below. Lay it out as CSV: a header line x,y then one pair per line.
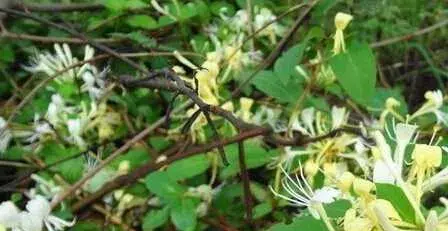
x,y
36,216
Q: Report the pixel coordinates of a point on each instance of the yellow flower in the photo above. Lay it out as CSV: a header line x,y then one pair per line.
x,y
427,156
362,187
311,168
245,106
341,21
345,182
354,223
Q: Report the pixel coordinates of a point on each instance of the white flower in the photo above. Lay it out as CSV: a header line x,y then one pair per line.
x,y
385,170
40,129
240,21
269,116
76,129
5,135
434,101
94,82
301,194
38,213
403,135
56,110
264,17
339,116
9,216
308,117
51,64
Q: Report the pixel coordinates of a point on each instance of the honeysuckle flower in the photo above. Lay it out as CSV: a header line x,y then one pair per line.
x,y
265,115
425,159
94,83
368,218
5,135
51,64
300,193
39,213
240,21
41,129
362,187
46,188
76,129
404,133
341,20
345,182
360,156
262,18
385,169
339,116
57,110
103,118
390,107
307,117
434,101
381,172
245,105
207,89
9,216
286,158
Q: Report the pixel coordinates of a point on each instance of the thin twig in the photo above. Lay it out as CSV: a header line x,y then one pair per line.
x,y
53,8
48,39
277,51
409,36
246,182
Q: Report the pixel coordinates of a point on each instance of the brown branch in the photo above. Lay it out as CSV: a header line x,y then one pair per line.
x,y
409,36
45,39
248,203
142,171
278,49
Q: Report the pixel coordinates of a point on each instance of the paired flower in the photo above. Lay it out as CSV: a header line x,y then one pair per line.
x,y
36,216
300,193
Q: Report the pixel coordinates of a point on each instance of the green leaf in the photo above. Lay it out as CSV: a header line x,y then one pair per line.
x,y
398,199
382,94
255,157
284,67
135,156
163,186
142,21
6,53
155,218
338,208
262,210
187,168
307,223
120,5
183,214
218,7
356,72
271,84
